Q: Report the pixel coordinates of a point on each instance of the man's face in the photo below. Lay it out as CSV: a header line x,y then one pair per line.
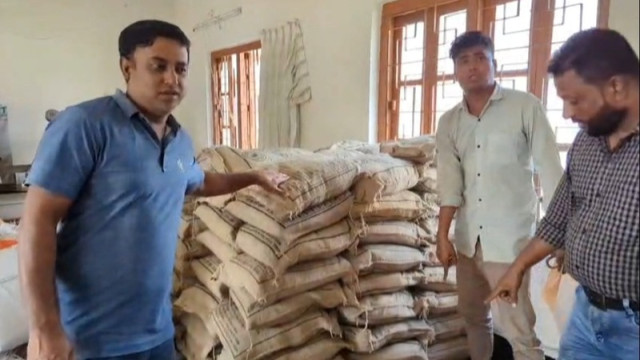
x,y
474,68
156,76
595,109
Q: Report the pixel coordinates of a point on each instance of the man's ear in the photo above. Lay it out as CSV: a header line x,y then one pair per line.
x,y
125,67
617,88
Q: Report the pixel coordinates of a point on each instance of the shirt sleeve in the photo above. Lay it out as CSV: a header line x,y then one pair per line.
x,y
450,185
66,155
544,150
553,226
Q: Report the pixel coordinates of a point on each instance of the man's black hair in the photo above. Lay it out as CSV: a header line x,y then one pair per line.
x,y
468,40
596,55
143,33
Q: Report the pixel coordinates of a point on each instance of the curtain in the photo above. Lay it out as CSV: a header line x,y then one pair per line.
x,y
284,86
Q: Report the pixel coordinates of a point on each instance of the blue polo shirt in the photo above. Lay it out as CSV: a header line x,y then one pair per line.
x,y
116,247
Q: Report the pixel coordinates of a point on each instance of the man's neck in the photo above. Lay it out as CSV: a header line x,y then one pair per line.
x,y
477,100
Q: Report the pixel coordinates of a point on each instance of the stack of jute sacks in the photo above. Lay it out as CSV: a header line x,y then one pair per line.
x,y
342,263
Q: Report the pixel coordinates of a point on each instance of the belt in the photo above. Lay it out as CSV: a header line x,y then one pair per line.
x,y
606,303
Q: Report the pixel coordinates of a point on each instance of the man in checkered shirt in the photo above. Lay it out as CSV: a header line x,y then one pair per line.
x,y
595,213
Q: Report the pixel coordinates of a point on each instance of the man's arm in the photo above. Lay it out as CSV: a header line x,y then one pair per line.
x,y
544,150
215,184
450,184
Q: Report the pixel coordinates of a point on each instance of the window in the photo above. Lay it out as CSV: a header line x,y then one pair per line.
x,y
416,75
235,86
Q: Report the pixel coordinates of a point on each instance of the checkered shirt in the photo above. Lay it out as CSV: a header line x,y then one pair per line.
x,y
594,215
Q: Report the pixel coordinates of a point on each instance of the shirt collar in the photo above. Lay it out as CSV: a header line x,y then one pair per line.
x,y
131,110
498,93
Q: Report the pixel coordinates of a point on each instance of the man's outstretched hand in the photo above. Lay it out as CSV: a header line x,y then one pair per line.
x,y
270,180
507,287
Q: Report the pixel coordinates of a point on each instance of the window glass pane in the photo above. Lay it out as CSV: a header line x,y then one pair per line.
x,y
450,26
410,123
511,35
412,52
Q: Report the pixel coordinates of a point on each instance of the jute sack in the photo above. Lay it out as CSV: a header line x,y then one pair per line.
x,y
386,283
221,249
198,341
311,220
429,181
382,175
448,327
221,223
428,303
430,225
373,339
455,349
384,258
311,182
433,280
260,344
209,273
260,157
187,250
407,350
393,232
216,201
197,301
256,316
421,149
257,279
404,205
190,226
378,310
210,160
431,205
233,159
323,347
351,145
279,255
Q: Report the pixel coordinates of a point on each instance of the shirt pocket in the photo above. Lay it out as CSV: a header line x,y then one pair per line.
x,y
502,148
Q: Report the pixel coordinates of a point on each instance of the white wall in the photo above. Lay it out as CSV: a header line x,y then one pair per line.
x,y
57,53
341,39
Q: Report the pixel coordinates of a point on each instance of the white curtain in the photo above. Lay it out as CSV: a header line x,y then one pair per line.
x,y
284,86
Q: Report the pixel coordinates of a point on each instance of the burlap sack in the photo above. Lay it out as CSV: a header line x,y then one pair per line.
x,y
233,159
196,300
430,304
421,149
373,339
378,310
256,316
387,283
393,232
433,280
404,205
407,350
209,273
351,145
216,201
430,226
279,255
221,249
187,250
261,157
190,226
429,181
447,327
198,341
210,160
220,222
260,344
257,279
311,220
311,182
385,258
454,349
382,175
323,347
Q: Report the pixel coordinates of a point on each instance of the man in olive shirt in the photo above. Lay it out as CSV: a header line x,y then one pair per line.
x,y
595,212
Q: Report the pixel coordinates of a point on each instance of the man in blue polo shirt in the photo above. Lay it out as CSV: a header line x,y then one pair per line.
x,y
114,172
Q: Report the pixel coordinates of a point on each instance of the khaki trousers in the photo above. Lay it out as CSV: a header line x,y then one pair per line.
x,y
475,280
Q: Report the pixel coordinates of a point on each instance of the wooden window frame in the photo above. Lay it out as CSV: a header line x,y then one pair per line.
x,y
245,122
479,17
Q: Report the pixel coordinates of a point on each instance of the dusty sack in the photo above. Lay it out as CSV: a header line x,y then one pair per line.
x,y
447,327
323,347
379,310
373,339
383,258
279,255
404,205
233,160
221,249
220,222
197,301
186,251
382,175
420,149
429,181
311,182
257,279
407,350
255,315
210,160
393,232
259,344
433,280
311,220
386,283
190,226
428,303
454,349
198,341
208,272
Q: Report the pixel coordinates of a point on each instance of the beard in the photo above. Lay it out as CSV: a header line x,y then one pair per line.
x,y
605,122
